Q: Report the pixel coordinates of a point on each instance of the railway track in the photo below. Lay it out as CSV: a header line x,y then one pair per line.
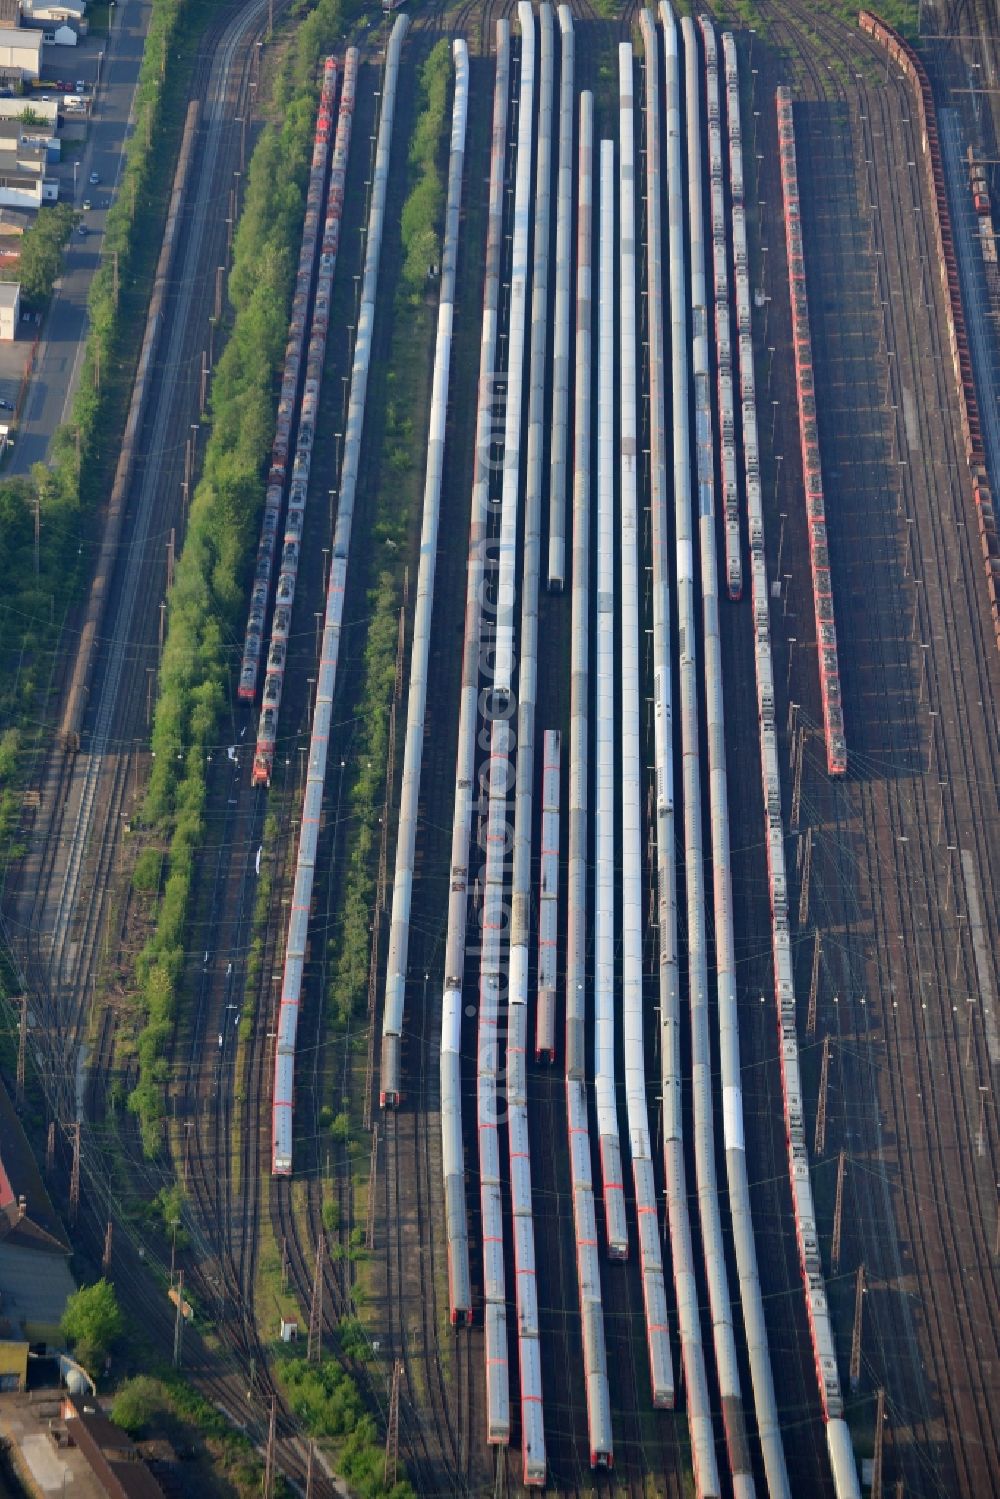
x,y
223,76
903,1031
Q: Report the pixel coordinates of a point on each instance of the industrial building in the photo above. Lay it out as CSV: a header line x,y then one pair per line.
x,y
10,306
35,1279
21,53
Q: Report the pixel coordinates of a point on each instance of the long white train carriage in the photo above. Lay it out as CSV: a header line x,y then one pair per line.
x,y
699,1413
393,1015
493,1016
584,1218
685,491
453,1155
562,319
533,1453
520,293
761,1376
605,727
630,779
548,899
283,1095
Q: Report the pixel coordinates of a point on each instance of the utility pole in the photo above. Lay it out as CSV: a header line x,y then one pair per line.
x,y
284,1263
106,1256
819,1144
269,1462
171,548
859,1301
179,1319
806,872
203,394
309,1470
392,1429
813,987
838,1214
50,1149
876,1488
220,272
74,1178
313,1347
22,1049
37,506
372,1179
798,754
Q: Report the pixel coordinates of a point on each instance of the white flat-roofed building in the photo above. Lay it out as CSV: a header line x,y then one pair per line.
x,y
21,51
10,310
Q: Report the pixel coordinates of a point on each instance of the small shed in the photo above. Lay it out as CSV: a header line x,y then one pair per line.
x,y
10,310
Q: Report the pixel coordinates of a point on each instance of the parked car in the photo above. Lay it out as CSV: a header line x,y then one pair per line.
x,y
95,178
6,405
81,229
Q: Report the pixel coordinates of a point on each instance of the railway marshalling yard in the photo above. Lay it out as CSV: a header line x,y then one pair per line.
x,y
892,868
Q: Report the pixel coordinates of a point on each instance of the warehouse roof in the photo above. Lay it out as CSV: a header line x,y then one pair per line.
x,y
114,1458
26,1213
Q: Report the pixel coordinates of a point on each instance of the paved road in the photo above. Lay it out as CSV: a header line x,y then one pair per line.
x,y
60,351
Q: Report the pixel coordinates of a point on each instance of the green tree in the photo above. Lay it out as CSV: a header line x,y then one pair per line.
x,y
92,1321
136,1402
42,253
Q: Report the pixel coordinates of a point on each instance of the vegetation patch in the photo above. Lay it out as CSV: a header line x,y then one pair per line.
x,y
326,1400
902,14
92,1322
219,1459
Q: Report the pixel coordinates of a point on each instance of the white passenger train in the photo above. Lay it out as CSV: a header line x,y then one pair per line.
x,y
605,728
584,1219
661,1371
548,900
453,1155
393,1014
686,1288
